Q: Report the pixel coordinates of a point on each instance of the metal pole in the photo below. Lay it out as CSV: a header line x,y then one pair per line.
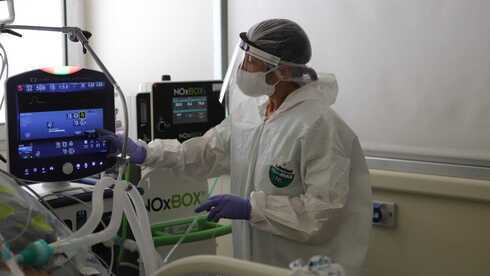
x,y
65,36
77,32
224,36
85,44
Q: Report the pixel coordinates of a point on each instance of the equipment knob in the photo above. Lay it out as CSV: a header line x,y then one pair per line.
x,y
67,168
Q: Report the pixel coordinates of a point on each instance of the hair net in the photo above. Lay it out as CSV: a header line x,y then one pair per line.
x,y
282,45
282,38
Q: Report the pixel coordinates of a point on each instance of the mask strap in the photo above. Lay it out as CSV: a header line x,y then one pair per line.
x,y
275,70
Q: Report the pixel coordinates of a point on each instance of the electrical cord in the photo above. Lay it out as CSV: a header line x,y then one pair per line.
x,y
5,66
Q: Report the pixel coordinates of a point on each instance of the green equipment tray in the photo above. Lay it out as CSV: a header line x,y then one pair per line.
x,y
170,232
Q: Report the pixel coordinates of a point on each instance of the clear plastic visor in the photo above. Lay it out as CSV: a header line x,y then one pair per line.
x,y
251,59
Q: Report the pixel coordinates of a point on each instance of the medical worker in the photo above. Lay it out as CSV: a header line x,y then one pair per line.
x,y
299,180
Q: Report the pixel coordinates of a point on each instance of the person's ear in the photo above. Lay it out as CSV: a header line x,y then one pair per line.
x,y
272,77
284,72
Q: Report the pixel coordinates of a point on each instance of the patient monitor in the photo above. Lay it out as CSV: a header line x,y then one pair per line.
x,y
52,117
182,110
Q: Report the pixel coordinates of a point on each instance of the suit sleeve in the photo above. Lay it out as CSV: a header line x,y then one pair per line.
x,y
205,156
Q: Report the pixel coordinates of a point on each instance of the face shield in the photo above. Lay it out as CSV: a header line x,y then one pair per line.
x,y
254,74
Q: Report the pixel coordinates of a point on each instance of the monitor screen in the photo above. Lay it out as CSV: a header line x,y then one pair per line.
x,y
42,133
60,124
61,87
52,120
189,110
182,110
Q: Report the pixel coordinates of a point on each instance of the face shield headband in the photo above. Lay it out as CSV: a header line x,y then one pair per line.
x,y
271,60
248,48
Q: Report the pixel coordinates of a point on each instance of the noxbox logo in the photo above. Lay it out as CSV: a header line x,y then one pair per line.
x,y
174,201
191,91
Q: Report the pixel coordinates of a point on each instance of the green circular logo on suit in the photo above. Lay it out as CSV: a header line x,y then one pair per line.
x,y
280,176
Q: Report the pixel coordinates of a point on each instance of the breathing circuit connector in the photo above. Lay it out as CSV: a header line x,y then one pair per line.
x,y
37,253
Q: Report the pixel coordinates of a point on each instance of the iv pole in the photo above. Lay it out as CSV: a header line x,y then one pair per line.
x,y
76,34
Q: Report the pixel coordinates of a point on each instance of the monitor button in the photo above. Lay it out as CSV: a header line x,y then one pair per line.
x,y
67,168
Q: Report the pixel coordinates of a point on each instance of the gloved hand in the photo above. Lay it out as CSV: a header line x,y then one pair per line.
x,y
226,206
136,151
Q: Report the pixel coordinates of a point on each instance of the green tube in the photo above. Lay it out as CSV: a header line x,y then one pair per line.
x,y
124,224
170,232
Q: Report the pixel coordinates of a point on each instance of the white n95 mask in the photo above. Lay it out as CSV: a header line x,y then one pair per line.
x,y
254,84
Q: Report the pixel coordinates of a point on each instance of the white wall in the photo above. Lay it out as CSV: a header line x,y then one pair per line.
x,y
75,17
413,78
442,226
35,49
413,75
141,40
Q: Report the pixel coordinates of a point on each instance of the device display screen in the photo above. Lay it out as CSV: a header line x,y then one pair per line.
x,y
182,110
59,124
189,110
61,87
52,118
41,133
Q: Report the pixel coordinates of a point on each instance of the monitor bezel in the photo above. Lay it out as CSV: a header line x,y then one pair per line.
x,y
17,165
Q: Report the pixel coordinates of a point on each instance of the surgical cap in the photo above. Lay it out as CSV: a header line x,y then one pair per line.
x,y
282,38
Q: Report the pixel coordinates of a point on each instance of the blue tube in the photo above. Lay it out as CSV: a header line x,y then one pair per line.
x,y
87,180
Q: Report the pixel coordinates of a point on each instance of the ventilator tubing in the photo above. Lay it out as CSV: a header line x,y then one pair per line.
x,y
87,240
141,217
97,208
138,221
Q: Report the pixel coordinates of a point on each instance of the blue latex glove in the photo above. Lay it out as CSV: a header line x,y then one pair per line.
x,y
136,152
226,206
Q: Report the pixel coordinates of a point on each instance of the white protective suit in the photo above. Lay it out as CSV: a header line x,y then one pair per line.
x,y
303,170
